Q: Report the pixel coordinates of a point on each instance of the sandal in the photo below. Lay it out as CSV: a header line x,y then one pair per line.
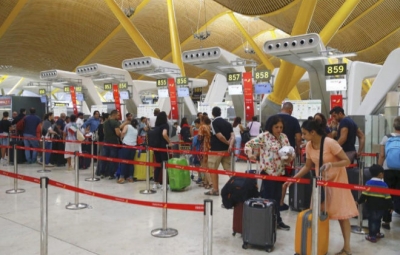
x,y
212,193
201,184
208,186
343,252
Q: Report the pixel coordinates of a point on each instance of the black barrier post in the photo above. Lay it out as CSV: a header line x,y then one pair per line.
x,y
92,179
15,190
76,205
147,190
43,170
44,181
164,232
207,227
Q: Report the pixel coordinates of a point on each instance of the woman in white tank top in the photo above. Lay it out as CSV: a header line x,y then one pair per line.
x,y
237,130
129,137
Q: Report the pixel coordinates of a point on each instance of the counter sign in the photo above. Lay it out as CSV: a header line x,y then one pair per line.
x,y
234,77
336,69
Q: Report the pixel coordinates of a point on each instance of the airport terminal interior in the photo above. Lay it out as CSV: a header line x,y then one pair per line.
x,y
184,57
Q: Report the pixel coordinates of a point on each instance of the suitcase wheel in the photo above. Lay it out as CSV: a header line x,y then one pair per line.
x,y
268,249
244,246
234,233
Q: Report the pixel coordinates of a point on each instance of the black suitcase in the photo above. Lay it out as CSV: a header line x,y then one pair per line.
x,y
353,177
20,153
300,194
58,159
259,223
84,162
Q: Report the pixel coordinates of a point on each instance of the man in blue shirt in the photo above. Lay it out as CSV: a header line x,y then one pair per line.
x,y
347,131
93,122
30,139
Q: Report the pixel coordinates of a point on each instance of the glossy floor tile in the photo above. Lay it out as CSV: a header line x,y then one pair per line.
x,y
109,227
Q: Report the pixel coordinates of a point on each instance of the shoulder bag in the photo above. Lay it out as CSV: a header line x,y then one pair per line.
x,y
246,134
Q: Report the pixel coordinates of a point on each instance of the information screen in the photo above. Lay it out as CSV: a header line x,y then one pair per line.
x,y
163,93
262,88
235,90
124,94
43,99
183,92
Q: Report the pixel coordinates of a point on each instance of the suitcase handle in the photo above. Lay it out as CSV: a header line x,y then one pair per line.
x,y
257,204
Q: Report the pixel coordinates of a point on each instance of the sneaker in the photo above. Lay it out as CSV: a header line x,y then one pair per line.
x,y
380,235
155,186
39,162
161,187
283,226
372,239
102,176
49,165
283,207
121,180
130,179
386,225
111,178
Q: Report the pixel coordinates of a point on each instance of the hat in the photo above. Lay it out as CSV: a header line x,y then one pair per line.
x,y
375,170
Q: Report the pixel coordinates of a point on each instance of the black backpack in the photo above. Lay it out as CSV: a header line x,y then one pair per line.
x,y
185,134
154,137
237,190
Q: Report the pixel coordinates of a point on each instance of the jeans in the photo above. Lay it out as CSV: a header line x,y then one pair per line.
x,y
31,144
158,174
126,169
374,222
108,168
392,179
47,146
272,190
238,144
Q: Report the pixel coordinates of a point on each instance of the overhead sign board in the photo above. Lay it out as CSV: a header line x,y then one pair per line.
x,y
77,89
336,69
262,75
162,82
234,77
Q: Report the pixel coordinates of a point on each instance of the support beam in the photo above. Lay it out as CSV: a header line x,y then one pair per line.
x,y
301,25
174,37
132,31
11,17
110,36
15,86
326,35
3,78
253,44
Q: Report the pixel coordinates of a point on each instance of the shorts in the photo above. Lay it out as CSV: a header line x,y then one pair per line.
x,y
215,160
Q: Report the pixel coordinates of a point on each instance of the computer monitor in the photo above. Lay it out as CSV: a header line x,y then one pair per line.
x,y
262,88
43,99
183,92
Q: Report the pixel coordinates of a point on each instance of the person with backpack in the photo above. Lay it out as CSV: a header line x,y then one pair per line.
x,y
389,158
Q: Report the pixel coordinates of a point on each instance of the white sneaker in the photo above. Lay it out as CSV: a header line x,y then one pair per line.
x,y
167,187
49,165
154,186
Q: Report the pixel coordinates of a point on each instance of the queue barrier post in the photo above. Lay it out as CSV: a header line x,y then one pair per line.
x,y
316,210
207,227
93,178
8,149
15,190
76,205
44,181
43,170
359,228
233,161
164,232
147,190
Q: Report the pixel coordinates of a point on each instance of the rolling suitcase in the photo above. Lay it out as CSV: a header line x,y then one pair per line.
x,y
259,223
303,234
20,153
178,179
139,172
300,194
237,218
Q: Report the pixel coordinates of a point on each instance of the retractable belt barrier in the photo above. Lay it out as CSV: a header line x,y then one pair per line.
x,y
175,206
223,172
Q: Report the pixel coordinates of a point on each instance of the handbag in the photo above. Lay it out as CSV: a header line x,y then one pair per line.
x,y
79,136
246,134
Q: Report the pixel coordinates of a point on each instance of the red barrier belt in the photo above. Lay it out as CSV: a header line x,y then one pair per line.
x,y
175,206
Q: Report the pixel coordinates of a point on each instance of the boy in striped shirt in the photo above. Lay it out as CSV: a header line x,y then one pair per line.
x,y
376,203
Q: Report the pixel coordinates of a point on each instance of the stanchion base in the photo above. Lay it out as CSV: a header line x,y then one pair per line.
x,y
164,233
148,191
94,179
43,171
15,191
79,206
359,230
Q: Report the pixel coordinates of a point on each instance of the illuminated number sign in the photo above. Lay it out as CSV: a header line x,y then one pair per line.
x,y
77,89
182,81
336,69
107,86
262,75
42,92
162,82
234,77
123,85
60,104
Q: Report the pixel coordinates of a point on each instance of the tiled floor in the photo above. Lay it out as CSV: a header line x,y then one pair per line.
x,y
109,227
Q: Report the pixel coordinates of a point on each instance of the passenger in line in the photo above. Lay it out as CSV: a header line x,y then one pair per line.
x,y
71,145
48,133
129,137
268,145
30,139
5,126
254,127
340,203
347,131
204,137
321,119
237,130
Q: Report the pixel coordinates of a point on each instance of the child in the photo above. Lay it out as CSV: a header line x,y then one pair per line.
x,y
376,203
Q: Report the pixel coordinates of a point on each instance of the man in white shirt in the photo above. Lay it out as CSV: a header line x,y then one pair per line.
x,y
79,120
